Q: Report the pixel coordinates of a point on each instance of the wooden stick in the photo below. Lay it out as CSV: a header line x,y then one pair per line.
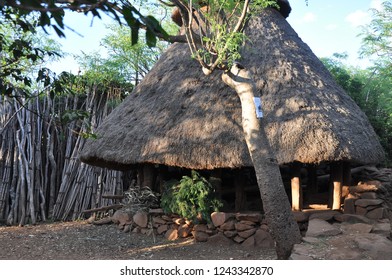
x,y
104,208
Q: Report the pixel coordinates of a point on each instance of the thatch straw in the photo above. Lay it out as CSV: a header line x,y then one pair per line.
x,y
179,117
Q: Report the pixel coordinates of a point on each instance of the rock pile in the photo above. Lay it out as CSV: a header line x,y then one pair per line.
x,y
247,229
366,200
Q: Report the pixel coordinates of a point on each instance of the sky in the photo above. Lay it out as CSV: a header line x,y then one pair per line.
x,y
328,27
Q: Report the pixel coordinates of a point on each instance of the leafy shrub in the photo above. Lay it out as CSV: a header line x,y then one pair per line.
x,y
191,198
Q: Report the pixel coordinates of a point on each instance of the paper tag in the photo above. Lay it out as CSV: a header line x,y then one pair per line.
x,y
259,110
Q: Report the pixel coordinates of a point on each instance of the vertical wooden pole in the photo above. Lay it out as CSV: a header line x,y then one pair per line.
x,y
296,190
336,185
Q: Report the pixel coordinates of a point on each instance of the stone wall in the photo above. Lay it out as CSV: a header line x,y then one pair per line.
x,y
247,229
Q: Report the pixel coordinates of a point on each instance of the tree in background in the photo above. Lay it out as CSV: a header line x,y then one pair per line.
x,y
23,51
371,88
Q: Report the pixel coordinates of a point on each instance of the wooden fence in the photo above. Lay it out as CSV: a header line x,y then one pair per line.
x,y
41,176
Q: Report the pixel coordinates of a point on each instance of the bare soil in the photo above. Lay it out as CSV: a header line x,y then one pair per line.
x,y
83,241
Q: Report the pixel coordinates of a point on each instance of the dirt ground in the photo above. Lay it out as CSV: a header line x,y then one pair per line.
x,y
82,241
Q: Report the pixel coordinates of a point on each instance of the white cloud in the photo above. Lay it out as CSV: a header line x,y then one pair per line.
x,y
358,18
331,27
309,17
376,4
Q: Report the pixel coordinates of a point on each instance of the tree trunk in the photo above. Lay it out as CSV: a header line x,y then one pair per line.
x,y
276,205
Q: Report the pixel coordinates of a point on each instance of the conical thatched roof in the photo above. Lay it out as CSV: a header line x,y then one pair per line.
x,y
179,117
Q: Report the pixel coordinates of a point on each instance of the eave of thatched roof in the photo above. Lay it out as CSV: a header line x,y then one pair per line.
x,y
179,117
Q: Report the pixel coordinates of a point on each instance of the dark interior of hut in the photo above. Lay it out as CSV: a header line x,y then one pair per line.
x,y
238,190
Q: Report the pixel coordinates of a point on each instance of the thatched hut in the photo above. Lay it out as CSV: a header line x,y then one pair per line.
x,y
179,117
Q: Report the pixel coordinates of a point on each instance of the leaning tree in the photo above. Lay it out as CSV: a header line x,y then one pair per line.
x,y
214,33
213,29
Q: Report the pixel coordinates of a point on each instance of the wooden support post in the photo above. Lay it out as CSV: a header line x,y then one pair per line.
x,y
296,190
240,195
336,185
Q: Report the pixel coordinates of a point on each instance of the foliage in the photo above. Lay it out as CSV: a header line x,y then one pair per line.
x,y
371,91
191,197
125,64
377,37
22,51
214,30
52,13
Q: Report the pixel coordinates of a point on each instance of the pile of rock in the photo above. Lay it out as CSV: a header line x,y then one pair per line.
x,y
247,229
364,200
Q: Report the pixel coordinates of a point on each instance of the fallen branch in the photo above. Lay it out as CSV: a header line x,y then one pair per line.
x,y
113,196
104,208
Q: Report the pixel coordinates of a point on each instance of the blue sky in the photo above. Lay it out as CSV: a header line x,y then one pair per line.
x,y
326,26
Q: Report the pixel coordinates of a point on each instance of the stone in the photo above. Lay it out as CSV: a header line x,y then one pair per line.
x,y
145,231
121,217
136,230
241,226
321,228
219,218
179,221
368,195
127,228
376,246
247,233
301,217
230,233
200,227
383,228
238,239
311,240
264,227
171,234
219,239
229,225
184,231
167,218
158,221
141,219
250,223
349,206
263,239
200,236
356,228
360,210
253,217
249,242
368,202
162,228
121,226
376,214
297,257
348,218
326,215
300,252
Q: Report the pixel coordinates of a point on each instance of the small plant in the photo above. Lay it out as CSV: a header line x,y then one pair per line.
x,y
191,198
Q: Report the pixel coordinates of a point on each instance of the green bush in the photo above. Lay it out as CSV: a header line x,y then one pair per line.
x,y
191,198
